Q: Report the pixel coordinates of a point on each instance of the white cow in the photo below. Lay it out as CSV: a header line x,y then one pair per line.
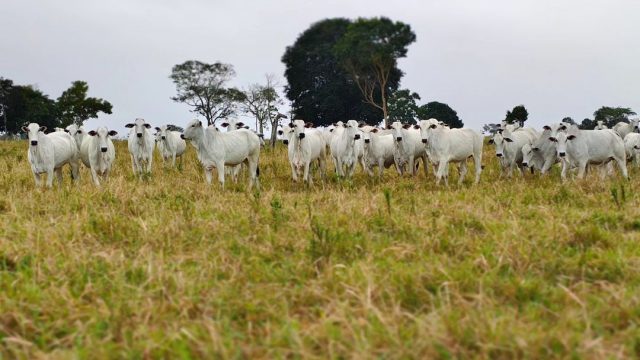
x,y
545,152
632,147
379,150
217,149
409,148
583,147
347,148
600,125
141,144
623,128
77,133
98,153
48,153
509,148
170,144
306,146
452,145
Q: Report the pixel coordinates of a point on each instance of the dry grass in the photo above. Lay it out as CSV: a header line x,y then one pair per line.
x,y
169,267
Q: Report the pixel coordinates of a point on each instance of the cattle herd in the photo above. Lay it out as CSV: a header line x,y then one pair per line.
x,y
348,144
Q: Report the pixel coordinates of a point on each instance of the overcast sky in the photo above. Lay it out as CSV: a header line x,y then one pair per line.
x,y
557,57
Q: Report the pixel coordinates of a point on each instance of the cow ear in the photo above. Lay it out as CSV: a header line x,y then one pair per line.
x,y
406,126
508,139
562,127
147,126
93,133
224,124
157,129
113,133
246,127
335,124
239,125
129,126
491,141
417,127
308,125
291,125
79,131
374,130
389,127
25,129
66,130
571,137
433,126
500,131
553,139
535,149
546,127
43,128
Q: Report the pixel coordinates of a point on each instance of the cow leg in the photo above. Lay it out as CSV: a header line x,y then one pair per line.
x,y
173,162
207,174
442,167
36,177
220,168
380,167
50,177
149,161
622,164
94,176
462,172
306,177
58,173
294,172
75,171
582,168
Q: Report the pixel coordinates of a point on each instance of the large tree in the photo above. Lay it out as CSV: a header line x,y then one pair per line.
x,y
402,106
612,115
517,114
74,107
262,101
26,104
319,88
442,112
369,50
204,87
6,86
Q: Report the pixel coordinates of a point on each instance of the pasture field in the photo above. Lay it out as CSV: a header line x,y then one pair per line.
x,y
168,267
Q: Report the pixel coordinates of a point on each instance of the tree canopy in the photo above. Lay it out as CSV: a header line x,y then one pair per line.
x,y
25,104
403,107
74,107
204,87
319,87
369,50
517,114
612,115
441,112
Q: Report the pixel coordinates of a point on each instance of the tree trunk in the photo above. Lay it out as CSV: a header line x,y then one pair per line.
x,y
261,124
274,133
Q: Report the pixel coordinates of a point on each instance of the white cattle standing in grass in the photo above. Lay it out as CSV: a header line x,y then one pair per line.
x,y
509,148
48,153
453,145
409,148
632,147
379,150
306,146
98,153
544,152
170,144
623,128
141,144
216,149
583,147
78,133
600,125
346,148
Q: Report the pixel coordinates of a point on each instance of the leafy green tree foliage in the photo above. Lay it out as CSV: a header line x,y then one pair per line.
x,y
74,107
441,112
568,120
403,107
25,104
587,124
369,50
517,114
319,88
203,87
612,115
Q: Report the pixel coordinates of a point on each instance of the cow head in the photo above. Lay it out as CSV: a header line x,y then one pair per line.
x,y
193,130
138,127
102,134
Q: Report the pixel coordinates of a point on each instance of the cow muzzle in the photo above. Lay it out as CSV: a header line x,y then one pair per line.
x,y
162,137
34,142
182,137
424,141
139,135
286,142
562,154
525,164
301,136
366,141
499,155
398,139
103,149
357,137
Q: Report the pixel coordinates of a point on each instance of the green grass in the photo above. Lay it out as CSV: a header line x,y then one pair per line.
x,y
170,267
